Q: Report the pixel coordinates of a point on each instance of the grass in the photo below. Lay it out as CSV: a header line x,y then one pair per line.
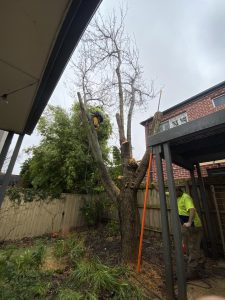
x,y
22,276
68,294
97,278
72,248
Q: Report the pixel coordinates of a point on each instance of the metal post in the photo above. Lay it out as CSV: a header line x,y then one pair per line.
x,y
218,217
198,206
207,213
5,149
165,226
180,268
10,168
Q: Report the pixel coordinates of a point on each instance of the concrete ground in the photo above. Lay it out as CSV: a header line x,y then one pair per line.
x,y
213,284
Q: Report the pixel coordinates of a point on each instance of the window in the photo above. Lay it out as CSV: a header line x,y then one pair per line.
x,y
219,100
173,122
164,126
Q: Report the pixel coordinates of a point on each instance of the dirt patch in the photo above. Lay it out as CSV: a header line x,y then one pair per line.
x,y
152,276
108,249
51,263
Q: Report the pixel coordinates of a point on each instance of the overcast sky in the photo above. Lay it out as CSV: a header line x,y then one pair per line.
x,y
182,48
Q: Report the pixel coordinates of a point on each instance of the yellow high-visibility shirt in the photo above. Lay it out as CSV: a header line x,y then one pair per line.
x,y
96,122
185,203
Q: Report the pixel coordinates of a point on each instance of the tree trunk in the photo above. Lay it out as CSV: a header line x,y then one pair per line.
x,y
129,224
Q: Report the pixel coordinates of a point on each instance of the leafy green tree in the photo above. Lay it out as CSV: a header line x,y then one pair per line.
x,y
63,161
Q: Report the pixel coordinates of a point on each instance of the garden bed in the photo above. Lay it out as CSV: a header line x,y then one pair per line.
x,y
81,265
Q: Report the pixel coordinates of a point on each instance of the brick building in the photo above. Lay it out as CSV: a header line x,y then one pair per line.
x,y
200,105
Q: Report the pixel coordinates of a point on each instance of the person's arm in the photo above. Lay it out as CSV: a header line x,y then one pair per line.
x,y
191,218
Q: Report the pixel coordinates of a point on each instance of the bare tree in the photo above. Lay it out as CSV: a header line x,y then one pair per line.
x,y
107,69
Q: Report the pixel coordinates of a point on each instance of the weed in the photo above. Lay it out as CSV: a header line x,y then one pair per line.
x,y
92,211
112,228
68,294
60,249
20,277
102,280
91,296
72,247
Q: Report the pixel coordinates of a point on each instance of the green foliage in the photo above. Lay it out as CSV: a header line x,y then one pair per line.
x,y
112,228
38,256
92,211
14,194
72,247
22,278
116,165
20,275
63,161
95,277
18,194
68,294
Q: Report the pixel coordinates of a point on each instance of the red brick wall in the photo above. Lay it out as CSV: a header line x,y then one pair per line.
x,y
196,109
180,173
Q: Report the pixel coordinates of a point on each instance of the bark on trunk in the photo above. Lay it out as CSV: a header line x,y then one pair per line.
x,y
129,224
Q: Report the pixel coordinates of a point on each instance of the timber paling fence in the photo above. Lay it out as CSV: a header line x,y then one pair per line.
x,y
32,219
153,215
37,218
216,212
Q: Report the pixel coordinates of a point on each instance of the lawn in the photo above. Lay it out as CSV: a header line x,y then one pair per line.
x,y
81,265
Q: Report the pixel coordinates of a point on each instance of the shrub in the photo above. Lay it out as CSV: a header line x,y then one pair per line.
x,y
92,211
112,228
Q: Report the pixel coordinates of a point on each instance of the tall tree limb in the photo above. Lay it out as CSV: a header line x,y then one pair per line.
x,y
129,118
142,169
107,182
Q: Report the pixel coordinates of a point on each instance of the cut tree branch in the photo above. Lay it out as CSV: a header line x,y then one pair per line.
x,y
110,187
142,169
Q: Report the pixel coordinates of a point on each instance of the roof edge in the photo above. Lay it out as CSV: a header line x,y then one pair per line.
x,y
193,98
77,19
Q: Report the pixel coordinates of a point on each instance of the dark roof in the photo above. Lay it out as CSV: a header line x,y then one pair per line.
x,y
193,98
201,140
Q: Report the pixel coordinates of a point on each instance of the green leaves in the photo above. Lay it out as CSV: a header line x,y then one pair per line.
x,y
24,273
63,161
20,275
99,279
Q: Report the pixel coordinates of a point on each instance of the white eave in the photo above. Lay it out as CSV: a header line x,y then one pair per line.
x,y
37,38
